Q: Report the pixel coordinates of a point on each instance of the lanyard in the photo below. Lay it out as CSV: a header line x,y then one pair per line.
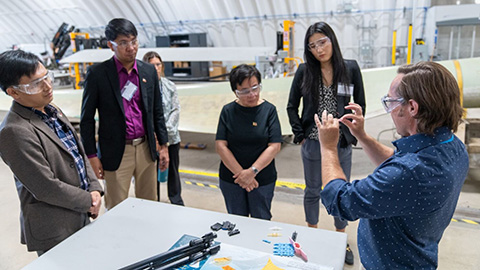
x,y
447,141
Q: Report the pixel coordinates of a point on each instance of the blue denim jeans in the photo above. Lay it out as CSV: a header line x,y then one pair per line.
x,y
312,168
256,203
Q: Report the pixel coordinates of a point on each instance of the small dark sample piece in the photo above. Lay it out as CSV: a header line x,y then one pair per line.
x,y
227,225
215,227
294,236
233,232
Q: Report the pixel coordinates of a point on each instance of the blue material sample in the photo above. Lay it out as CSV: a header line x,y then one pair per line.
x,y
283,249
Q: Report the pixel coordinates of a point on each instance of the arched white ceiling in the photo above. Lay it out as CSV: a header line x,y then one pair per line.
x,y
226,22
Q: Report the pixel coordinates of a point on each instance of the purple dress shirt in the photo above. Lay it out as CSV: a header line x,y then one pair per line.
x,y
132,108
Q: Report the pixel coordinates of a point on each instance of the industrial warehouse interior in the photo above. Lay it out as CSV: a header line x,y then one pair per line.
x,y
211,208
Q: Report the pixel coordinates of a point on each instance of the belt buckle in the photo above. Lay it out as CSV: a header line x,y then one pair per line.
x,y
137,141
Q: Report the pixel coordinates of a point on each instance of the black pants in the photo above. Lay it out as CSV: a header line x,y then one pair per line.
x,y
173,184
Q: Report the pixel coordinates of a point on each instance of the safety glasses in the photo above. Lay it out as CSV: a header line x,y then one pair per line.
x,y
319,43
36,86
124,44
245,92
390,103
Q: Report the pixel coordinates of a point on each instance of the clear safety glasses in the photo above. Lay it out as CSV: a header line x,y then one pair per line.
x,y
36,86
245,92
390,103
319,43
124,44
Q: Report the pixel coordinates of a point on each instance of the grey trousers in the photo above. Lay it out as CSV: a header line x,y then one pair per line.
x,y
312,168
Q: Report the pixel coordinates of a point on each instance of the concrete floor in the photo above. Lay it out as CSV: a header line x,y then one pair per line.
x,y
457,248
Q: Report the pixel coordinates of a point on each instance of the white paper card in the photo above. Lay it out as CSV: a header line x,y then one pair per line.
x,y
129,90
345,91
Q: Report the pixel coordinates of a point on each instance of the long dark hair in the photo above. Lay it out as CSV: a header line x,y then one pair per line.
x,y
311,80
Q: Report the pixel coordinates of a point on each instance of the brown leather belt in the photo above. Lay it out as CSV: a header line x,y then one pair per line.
x,y
136,141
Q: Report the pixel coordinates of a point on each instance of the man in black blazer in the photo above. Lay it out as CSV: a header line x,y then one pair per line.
x,y
126,94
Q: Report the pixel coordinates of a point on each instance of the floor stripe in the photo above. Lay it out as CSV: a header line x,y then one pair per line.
x,y
199,173
200,184
468,221
290,185
285,184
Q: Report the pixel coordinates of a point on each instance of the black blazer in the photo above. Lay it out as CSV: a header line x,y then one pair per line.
x,y
102,93
302,126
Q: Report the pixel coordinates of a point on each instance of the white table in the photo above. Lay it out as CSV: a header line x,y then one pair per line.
x,y
137,229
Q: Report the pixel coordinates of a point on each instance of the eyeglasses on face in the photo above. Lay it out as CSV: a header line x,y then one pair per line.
x,y
390,103
124,44
36,86
245,92
319,43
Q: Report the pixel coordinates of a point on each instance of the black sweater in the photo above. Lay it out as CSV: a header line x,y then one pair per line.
x,y
248,131
302,126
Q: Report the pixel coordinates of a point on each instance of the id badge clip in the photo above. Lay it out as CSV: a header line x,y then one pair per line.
x,y
345,90
129,90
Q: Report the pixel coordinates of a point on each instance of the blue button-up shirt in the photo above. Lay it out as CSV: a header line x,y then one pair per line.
x,y
405,205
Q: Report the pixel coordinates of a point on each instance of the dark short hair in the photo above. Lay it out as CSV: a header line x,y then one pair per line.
x,y
14,65
242,72
120,26
436,91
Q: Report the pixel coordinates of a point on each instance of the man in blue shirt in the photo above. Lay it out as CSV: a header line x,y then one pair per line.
x,y
405,205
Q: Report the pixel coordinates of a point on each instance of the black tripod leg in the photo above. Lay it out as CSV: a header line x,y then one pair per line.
x,y
198,256
194,245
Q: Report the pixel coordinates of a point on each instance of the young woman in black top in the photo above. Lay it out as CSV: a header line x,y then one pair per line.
x,y
325,82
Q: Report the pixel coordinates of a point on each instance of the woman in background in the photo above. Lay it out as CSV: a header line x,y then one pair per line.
x,y
248,139
171,111
325,82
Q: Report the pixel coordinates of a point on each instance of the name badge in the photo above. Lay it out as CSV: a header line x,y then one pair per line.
x,y
129,90
345,90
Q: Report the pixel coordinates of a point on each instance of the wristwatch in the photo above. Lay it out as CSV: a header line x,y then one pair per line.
x,y
255,170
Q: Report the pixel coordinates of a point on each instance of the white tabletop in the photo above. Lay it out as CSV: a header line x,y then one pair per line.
x,y
137,229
